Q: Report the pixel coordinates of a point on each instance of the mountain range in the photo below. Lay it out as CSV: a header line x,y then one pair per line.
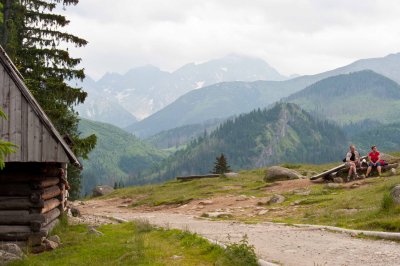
x,y
144,90
232,98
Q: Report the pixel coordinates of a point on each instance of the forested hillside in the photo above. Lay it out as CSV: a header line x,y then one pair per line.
x,y
352,98
118,156
386,137
176,137
284,133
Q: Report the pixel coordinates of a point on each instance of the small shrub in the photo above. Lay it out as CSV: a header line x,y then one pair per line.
x,y
387,203
239,254
143,226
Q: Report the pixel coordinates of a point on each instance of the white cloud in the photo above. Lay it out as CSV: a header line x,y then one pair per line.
x,y
294,36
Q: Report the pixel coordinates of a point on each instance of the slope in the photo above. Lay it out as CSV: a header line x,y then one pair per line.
x,y
284,133
118,156
352,97
386,137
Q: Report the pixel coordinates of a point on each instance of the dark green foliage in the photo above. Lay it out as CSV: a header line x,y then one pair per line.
x,y
387,203
32,35
239,254
221,165
119,157
284,133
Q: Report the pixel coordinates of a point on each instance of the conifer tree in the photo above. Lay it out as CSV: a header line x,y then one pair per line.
x,y
221,165
31,34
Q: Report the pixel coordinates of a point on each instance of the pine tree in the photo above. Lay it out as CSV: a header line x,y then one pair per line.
x,y
221,165
31,34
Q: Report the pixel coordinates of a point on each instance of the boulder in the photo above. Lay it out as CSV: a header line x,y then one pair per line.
x,y
395,193
93,231
276,199
10,252
393,172
389,158
75,212
50,245
102,190
276,173
338,180
333,185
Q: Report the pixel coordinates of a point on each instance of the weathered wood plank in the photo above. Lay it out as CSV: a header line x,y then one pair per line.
x,y
15,189
12,129
191,177
15,122
5,132
24,131
39,221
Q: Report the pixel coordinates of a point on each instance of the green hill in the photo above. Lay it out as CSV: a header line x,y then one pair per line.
x,y
352,98
118,156
284,133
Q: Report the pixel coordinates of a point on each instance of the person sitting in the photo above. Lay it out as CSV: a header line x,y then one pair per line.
x,y
352,161
374,161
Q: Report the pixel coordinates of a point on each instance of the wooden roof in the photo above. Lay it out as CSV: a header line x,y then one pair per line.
x,y
27,125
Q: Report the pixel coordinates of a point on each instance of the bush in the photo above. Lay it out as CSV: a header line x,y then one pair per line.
x,y
239,254
387,203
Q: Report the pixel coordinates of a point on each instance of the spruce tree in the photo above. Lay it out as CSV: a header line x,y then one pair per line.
x,y
221,165
31,34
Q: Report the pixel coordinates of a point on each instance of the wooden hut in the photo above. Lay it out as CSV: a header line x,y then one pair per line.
x,y
33,182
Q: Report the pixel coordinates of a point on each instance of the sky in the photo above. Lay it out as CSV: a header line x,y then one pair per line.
x,y
293,36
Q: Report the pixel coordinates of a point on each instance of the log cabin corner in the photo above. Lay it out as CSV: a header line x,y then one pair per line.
x,y
33,183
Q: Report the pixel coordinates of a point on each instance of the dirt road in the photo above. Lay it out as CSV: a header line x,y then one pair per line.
x,y
287,245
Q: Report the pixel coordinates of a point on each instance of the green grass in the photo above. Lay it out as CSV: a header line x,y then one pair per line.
x,y
367,207
177,192
136,244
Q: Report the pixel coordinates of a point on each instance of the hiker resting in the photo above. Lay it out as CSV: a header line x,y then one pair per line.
x,y
352,161
374,161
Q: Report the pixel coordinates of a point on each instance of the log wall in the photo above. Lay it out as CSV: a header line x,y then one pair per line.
x,y
32,198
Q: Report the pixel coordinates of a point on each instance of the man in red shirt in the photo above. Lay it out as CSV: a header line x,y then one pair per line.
x,y
374,161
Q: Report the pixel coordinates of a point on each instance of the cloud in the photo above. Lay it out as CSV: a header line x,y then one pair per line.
x,y
294,36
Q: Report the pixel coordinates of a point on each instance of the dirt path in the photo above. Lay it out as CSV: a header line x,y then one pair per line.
x,y
288,245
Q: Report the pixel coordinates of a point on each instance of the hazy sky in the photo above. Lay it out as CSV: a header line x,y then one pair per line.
x,y
294,36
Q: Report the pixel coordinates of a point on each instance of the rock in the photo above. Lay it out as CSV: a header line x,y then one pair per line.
x,y
395,193
262,212
176,257
6,257
75,212
338,180
393,172
333,186
102,190
231,174
206,202
50,245
242,198
276,173
355,185
10,252
389,158
276,199
217,214
55,238
13,249
93,231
